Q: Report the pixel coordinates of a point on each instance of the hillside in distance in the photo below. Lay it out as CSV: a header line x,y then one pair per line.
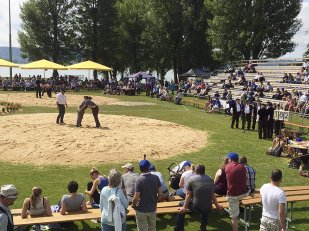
x,y
16,55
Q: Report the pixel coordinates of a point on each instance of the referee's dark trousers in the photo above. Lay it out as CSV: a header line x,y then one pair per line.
x,y
60,116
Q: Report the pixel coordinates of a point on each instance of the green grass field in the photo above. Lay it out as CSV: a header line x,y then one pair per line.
x,y
221,140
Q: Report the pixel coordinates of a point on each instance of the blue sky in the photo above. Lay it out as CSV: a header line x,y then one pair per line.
x,y
301,38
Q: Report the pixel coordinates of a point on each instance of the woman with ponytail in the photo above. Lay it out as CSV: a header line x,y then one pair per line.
x,y
36,205
94,188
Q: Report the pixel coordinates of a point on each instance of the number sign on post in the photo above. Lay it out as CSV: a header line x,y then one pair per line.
x,y
281,115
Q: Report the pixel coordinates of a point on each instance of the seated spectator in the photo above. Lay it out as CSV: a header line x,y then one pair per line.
x,y
199,199
297,79
269,87
74,201
305,109
225,93
36,205
250,174
290,78
220,179
240,72
278,95
215,105
178,97
94,188
128,180
113,204
184,179
285,78
165,191
217,95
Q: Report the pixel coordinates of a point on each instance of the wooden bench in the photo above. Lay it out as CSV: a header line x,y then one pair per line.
x,y
293,193
162,208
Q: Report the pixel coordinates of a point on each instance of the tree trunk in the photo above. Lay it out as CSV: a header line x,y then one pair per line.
x,y
175,69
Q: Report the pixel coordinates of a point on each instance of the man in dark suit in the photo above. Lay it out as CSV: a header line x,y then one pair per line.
x,y
246,115
270,121
263,117
256,107
236,113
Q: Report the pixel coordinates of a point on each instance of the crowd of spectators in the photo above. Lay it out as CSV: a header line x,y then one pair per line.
x,y
235,179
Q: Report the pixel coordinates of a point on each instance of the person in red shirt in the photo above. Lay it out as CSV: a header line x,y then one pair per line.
x,y
236,176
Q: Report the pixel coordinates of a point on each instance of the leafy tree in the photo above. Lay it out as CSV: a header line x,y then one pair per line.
x,y
306,54
244,29
132,25
96,24
46,32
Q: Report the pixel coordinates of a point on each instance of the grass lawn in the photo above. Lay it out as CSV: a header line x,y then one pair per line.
x,y
221,140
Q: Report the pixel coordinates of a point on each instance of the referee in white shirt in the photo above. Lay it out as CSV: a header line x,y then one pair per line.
x,y
61,101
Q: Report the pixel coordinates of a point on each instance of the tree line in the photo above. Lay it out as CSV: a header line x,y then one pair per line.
x,y
157,35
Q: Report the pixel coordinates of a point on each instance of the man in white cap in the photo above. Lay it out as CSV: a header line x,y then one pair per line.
x,y
8,195
128,180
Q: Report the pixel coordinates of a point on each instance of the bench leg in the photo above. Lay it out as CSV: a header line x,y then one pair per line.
x,y
247,217
289,218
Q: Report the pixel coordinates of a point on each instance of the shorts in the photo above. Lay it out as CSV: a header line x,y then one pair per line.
x,y
269,224
234,204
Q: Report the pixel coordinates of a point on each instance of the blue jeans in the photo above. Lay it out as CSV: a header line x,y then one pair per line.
x,y
106,227
180,222
180,193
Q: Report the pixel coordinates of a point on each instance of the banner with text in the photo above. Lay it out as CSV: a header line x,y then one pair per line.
x,y
281,115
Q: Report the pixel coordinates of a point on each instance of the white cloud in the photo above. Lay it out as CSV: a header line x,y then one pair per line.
x,y
302,36
4,21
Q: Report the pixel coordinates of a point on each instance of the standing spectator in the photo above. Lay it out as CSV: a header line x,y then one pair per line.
x,y
246,115
61,101
199,198
38,88
73,202
270,120
236,108
5,84
8,195
236,176
274,203
128,180
172,87
148,192
250,174
113,204
263,117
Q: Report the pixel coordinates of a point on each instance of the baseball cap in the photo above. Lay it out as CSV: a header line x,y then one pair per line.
x,y
152,167
144,165
9,191
186,163
128,166
232,156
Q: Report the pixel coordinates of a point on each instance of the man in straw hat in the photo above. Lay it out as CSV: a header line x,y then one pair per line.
x,y
8,195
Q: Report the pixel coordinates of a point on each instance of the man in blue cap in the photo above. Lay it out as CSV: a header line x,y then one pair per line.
x,y
236,176
148,192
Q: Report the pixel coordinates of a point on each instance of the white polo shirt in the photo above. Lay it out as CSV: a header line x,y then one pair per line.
x,y
61,99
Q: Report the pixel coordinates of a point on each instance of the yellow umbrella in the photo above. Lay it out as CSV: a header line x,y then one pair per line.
x,y
89,65
5,63
43,64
